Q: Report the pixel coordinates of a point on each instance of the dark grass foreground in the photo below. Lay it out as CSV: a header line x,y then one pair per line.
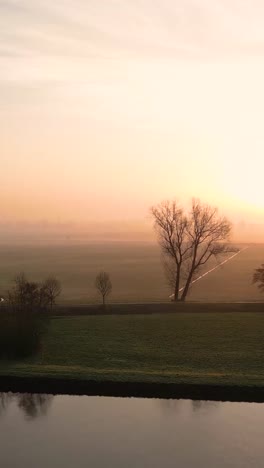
x,y
195,355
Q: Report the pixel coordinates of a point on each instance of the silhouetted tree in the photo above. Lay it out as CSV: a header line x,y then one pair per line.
x,y
258,277
50,290
189,240
103,285
25,294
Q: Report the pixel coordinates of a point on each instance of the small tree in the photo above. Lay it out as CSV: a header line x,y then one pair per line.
x,y
103,285
26,295
51,289
258,278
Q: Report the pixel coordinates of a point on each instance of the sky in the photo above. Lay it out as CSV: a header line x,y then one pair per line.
x,y
110,106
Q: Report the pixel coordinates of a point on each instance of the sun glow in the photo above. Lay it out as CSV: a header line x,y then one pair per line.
x,y
103,116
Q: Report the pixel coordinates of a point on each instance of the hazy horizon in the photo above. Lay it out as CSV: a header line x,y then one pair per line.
x,y
138,231
109,107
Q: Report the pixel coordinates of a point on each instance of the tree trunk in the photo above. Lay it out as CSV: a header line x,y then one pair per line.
x,y
190,276
177,287
187,286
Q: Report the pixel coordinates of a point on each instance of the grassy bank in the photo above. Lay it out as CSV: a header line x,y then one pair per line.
x,y
187,349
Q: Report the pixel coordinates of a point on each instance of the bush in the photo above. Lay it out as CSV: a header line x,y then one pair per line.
x,y
21,332
23,319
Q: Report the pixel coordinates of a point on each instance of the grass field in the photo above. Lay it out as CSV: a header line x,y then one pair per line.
x,y
135,269
196,348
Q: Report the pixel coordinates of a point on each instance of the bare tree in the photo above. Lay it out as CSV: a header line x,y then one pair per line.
x,y
258,277
51,289
30,294
26,294
171,224
189,240
103,285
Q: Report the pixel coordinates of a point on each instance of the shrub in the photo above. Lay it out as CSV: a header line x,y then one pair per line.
x,y
23,319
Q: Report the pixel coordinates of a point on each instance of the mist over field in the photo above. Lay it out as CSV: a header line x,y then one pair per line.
x,y
135,268
138,230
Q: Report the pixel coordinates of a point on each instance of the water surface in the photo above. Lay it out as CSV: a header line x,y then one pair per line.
x,y
71,431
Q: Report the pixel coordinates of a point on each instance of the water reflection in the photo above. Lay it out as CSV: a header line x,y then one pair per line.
x,y
132,432
5,398
174,406
169,406
33,405
200,405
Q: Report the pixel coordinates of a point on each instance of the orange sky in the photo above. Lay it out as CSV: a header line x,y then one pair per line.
x,y
108,107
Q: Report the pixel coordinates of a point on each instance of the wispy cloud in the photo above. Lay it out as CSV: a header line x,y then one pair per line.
x,y
68,41
114,28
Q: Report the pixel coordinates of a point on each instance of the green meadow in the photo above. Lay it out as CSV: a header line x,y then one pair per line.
x,y
201,348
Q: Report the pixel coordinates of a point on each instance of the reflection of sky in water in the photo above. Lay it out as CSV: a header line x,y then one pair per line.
x,y
68,431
